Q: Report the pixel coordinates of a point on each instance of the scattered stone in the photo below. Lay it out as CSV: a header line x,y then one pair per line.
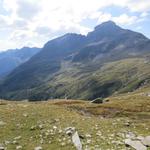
x,y
70,130
88,136
146,141
128,123
76,141
88,141
33,128
17,138
148,94
130,135
97,101
106,100
7,142
98,133
18,125
42,141
14,142
121,134
40,135
2,148
40,126
137,145
25,115
38,148
69,141
54,127
18,147
63,144
64,139
2,123
59,140
56,120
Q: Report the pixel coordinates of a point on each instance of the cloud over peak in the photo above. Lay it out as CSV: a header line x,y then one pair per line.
x,y
36,21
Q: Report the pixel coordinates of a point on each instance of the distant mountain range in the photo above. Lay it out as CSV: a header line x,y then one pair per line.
x,y
109,60
12,58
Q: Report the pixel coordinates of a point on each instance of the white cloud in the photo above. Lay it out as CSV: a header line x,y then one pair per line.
x,y
27,9
40,20
122,19
144,14
139,5
3,21
125,19
104,17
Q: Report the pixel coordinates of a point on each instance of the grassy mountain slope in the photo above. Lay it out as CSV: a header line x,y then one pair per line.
x,y
81,82
46,62
108,60
121,76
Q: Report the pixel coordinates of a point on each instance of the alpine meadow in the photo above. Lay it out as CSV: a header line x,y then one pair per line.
x,y
74,75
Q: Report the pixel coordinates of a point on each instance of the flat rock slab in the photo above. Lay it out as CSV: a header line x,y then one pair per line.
x,y
2,148
76,141
146,141
137,145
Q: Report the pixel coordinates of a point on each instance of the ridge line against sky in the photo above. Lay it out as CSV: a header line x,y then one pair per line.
x,y
34,22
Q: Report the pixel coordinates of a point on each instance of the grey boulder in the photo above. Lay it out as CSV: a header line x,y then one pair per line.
x,y
137,145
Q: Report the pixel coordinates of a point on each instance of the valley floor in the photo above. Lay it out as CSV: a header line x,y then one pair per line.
x,y
30,125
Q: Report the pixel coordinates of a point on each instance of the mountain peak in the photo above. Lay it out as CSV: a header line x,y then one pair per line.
x,y
106,30
108,24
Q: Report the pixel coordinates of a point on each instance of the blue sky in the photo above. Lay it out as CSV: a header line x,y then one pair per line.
x,y
34,22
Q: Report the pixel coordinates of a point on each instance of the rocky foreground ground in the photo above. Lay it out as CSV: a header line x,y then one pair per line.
x,y
71,125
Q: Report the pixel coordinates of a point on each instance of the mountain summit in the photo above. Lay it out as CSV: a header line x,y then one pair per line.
x,y
108,24
104,30
82,67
